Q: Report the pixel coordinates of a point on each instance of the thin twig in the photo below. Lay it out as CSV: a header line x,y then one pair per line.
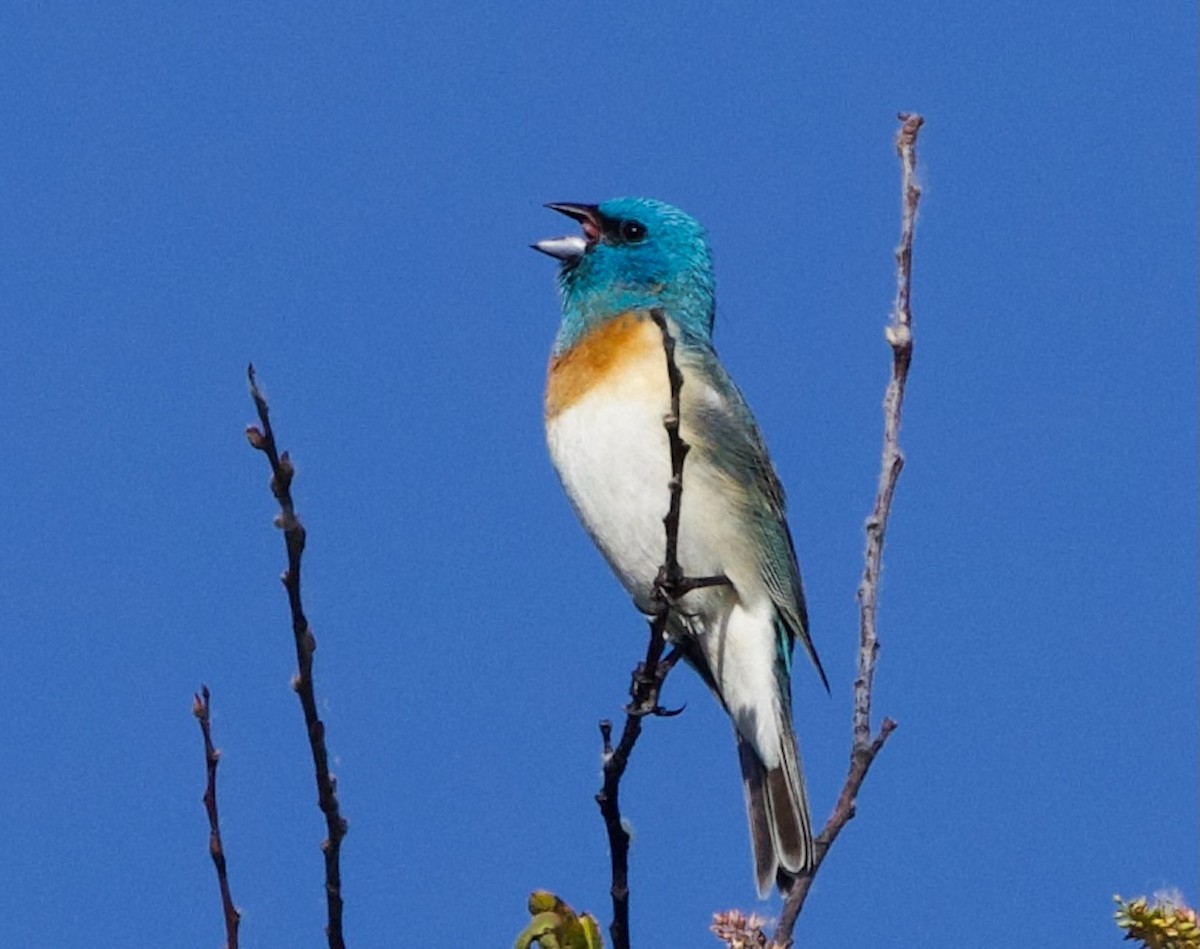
x,y
899,337
201,708
649,676
282,473
670,573
644,689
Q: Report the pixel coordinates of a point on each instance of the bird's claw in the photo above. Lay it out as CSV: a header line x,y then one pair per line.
x,y
655,710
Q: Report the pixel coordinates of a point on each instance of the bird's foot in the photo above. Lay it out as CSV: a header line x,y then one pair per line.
x,y
669,590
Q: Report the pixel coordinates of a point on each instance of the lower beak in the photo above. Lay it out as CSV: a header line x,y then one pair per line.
x,y
564,248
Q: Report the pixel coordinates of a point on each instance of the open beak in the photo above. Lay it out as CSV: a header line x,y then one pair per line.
x,y
573,245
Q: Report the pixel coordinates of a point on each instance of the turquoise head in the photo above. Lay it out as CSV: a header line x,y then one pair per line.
x,y
634,254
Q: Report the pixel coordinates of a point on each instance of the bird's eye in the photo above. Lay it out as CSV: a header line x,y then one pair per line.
x,y
632,231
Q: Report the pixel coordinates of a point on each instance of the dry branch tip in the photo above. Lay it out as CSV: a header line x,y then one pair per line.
x,y
282,472
864,747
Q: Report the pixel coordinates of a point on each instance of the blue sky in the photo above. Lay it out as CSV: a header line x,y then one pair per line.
x,y
345,196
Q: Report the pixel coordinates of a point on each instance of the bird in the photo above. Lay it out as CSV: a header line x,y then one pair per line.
x,y
607,395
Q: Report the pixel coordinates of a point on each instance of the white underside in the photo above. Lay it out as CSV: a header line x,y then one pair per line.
x,y
611,452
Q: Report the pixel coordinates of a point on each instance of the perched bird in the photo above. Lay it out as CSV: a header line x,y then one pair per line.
x,y
606,398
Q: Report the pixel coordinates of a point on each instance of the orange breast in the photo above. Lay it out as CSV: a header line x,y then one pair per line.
x,y
597,357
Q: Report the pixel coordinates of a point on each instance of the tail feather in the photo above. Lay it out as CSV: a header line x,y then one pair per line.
x,y
762,840
789,804
777,808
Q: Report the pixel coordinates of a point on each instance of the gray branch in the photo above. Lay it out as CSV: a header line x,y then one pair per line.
x,y
899,337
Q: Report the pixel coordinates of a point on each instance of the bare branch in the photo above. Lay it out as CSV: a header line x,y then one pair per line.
x,y
201,709
899,337
282,473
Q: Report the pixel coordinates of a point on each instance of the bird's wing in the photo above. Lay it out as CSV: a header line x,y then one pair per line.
x,y
736,447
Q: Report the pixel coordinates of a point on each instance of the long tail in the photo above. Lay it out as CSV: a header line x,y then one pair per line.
x,y
777,807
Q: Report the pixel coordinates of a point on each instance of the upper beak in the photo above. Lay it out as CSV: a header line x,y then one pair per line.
x,y
571,246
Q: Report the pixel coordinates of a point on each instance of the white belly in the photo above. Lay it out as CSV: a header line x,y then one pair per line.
x,y
612,455
614,462
611,452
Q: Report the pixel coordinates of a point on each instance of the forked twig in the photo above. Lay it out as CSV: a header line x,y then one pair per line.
x,y
644,690
899,337
282,473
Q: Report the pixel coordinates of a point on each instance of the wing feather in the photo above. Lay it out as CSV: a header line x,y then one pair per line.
x,y
736,447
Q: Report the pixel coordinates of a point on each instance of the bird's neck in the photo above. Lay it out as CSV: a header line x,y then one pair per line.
x,y
584,312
